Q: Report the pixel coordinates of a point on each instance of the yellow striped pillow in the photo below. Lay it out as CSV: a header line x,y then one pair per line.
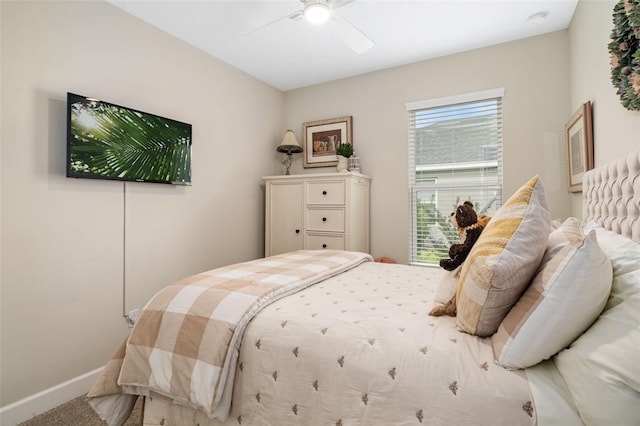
x,y
503,261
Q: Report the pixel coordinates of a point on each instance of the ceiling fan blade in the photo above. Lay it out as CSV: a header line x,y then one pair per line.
x,y
293,16
335,4
352,36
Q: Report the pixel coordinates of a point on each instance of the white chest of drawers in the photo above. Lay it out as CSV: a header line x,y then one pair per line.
x,y
316,211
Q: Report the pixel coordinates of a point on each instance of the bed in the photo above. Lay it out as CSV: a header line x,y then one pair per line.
x,y
332,338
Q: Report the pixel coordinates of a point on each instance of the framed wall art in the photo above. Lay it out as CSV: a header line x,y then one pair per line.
x,y
322,139
579,138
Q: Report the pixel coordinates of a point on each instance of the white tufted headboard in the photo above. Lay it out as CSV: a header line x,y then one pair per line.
x,y
611,195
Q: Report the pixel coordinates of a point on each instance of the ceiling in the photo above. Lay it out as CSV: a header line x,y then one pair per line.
x,y
259,38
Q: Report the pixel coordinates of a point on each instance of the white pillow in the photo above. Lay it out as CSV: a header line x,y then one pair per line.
x,y
602,367
565,297
570,230
448,285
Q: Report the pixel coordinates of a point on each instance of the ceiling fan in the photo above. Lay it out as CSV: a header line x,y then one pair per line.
x,y
320,12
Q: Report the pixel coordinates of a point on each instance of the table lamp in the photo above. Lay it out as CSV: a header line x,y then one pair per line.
x,y
289,145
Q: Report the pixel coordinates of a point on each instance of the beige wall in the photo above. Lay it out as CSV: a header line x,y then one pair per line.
x,y
62,239
535,75
616,130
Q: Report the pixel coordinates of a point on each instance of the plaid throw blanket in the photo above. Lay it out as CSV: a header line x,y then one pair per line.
x,y
185,343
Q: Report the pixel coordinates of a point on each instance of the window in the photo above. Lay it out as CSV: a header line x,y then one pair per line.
x,y
455,155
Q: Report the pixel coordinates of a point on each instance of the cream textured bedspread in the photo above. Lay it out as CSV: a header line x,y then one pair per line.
x,y
360,349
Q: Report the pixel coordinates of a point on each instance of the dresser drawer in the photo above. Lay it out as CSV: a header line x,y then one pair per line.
x,y
319,242
329,220
325,192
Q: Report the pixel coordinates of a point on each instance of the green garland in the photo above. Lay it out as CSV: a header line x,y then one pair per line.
x,y
624,49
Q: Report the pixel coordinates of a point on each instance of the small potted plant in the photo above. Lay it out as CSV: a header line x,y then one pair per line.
x,y
344,151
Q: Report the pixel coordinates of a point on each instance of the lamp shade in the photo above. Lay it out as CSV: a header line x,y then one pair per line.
x,y
289,144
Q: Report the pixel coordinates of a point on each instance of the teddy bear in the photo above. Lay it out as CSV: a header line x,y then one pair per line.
x,y
466,220
469,227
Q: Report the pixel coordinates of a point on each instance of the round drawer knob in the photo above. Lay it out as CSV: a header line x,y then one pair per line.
x,y
324,219
324,192
324,246
297,231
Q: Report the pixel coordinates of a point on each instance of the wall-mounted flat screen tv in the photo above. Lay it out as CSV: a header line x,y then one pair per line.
x,y
108,141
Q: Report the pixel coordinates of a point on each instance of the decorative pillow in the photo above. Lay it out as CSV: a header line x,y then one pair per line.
x,y
503,260
569,231
564,299
447,288
602,367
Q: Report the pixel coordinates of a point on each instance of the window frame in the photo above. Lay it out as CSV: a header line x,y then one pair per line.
x,y
415,187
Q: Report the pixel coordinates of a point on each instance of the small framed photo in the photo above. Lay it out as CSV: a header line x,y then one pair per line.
x,y
322,139
579,137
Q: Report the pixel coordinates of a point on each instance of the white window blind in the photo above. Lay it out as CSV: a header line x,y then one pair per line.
x,y
455,155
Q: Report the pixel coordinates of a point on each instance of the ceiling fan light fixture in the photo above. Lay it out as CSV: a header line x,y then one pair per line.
x,y
317,12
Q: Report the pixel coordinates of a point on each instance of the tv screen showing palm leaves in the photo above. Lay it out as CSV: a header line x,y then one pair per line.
x,y
108,141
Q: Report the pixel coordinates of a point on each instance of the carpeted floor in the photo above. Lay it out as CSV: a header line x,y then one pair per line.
x,y
78,412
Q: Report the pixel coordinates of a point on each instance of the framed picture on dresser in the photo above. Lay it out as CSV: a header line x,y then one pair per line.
x,y
322,138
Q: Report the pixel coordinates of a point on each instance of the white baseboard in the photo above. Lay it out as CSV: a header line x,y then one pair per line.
x,y
31,406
